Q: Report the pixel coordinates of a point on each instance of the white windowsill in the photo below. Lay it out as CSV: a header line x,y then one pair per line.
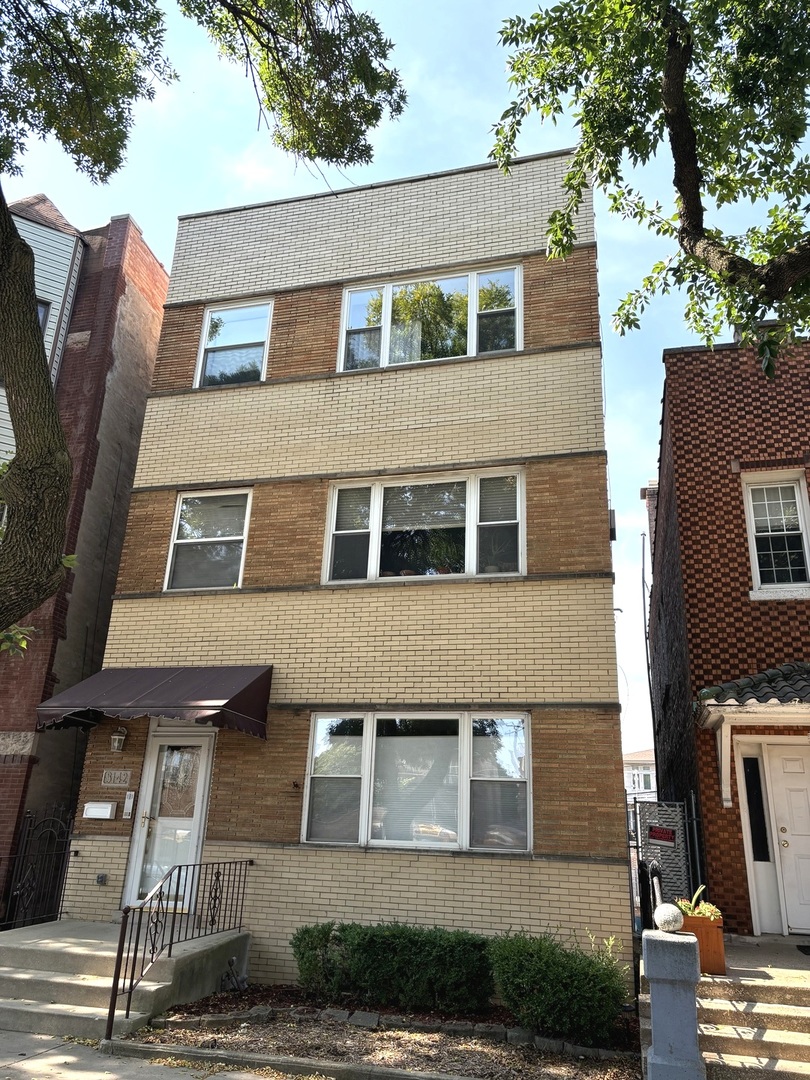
x,y
781,592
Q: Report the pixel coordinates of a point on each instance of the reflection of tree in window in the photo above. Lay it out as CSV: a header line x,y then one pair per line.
x,y
496,311
423,529
429,320
415,793
179,781
498,791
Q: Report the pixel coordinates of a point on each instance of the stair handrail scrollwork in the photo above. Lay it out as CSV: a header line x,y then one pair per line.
x,y
190,901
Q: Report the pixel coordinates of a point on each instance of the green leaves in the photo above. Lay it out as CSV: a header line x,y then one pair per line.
x,y
74,69
722,85
318,67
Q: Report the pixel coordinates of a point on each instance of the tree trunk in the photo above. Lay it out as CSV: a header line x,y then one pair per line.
x,y
36,487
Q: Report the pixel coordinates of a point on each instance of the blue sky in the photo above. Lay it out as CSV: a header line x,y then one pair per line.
x,y
198,146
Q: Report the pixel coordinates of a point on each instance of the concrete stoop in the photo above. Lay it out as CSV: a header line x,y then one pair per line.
x,y
56,978
744,1023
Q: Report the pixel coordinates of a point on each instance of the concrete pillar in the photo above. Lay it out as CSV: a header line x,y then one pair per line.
x,y
672,970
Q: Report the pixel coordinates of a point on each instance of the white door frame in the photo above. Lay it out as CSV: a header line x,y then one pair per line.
x,y
162,731
757,746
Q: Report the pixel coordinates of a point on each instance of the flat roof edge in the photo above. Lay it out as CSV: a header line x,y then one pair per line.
x,y
373,186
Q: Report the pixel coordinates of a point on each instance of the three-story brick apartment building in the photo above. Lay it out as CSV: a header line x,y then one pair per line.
x,y
730,624
374,465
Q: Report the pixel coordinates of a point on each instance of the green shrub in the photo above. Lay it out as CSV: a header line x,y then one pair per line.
x,y
393,965
563,993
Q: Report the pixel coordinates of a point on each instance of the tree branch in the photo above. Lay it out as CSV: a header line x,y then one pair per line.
x,y
769,282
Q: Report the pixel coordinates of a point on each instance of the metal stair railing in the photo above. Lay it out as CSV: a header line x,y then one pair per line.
x,y
191,901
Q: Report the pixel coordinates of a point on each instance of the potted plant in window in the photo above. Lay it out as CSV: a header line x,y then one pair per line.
x,y
705,921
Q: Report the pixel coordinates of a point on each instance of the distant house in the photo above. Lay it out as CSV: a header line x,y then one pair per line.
x,y
639,774
373,467
730,624
101,295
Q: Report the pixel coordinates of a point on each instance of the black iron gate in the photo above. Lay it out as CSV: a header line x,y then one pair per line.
x,y
32,880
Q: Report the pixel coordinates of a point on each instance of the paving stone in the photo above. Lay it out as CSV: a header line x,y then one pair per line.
x,y
174,1023
304,1012
394,1023
496,1032
520,1036
260,1012
364,1019
217,1021
458,1027
551,1046
424,1025
335,1014
158,1022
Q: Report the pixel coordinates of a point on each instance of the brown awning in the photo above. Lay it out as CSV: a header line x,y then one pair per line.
x,y
229,697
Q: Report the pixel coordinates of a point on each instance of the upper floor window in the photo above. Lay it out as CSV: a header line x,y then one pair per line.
x,y
234,344
43,311
208,540
456,525
431,319
445,781
777,517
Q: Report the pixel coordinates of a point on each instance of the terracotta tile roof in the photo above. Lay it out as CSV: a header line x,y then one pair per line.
x,y
785,684
40,209
639,755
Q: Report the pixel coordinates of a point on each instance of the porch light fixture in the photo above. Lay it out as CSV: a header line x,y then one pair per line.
x,y
117,740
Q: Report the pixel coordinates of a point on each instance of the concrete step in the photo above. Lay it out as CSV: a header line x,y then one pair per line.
x,y
729,1067
89,958
759,1014
760,1041
57,986
781,992
78,1021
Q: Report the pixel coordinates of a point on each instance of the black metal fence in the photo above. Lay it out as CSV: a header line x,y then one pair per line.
x,y
32,880
191,901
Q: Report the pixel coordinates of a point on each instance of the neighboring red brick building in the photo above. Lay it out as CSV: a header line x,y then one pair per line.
x,y
730,604
101,296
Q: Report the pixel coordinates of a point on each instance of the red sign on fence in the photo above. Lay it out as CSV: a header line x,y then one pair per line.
x,y
661,836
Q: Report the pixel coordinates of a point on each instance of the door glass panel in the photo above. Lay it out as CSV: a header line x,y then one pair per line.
x,y
171,814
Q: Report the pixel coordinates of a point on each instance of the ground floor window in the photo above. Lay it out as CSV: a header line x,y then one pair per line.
x,y
445,780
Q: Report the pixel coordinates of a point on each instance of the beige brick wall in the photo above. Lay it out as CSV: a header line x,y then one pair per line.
x,y
566,530
444,219
92,855
427,416
292,886
495,641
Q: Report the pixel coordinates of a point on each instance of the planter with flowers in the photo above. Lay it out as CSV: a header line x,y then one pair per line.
x,y
705,921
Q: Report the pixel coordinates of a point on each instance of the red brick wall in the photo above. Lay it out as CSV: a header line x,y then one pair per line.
x,y
721,419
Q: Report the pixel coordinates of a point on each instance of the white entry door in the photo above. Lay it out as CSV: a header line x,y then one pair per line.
x,y
789,768
171,811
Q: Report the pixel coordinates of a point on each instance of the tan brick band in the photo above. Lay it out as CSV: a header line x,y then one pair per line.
x,y
290,886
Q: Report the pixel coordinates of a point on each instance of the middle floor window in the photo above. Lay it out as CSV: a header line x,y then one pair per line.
x,y
448,781
426,528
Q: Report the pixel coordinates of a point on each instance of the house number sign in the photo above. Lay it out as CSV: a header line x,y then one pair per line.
x,y
116,777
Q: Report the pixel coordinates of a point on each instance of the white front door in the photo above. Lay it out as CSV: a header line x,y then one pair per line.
x,y
789,769
171,810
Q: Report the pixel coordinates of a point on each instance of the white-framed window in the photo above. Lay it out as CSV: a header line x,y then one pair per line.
x,y
439,780
208,540
426,527
234,343
777,516
433,318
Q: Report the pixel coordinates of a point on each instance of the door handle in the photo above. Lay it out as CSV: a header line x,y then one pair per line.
x,y
785,843
144,818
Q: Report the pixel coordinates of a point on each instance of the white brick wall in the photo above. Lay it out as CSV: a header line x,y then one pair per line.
x,y
471,214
